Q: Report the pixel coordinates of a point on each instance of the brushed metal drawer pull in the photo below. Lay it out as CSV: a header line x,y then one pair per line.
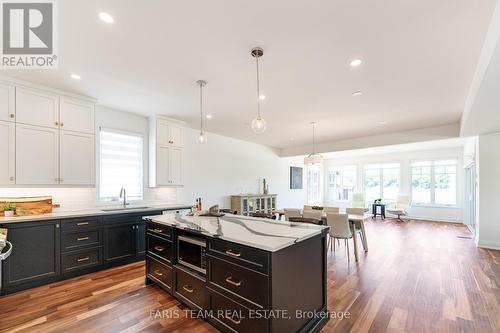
x,y
82,238
83,259
159,248
237,322
82,223
232,253
158,230
157,272
188,288
230,280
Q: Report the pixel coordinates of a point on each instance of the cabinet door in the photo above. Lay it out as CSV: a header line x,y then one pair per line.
x,y
76,115
175,166
37,107
175,135
162,135
37,155
119,242
7,153
162,166
36,253
76,158
140,239
7,102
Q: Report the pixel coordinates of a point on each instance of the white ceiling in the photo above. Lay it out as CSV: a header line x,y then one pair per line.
x,y
418,61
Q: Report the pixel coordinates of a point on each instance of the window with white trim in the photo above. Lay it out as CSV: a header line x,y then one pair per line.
x,y
434,182
314,184
121,165
381,181
341,183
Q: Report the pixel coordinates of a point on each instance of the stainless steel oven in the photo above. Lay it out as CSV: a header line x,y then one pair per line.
x,y
192,252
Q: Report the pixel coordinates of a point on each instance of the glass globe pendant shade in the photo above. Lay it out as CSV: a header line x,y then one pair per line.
x,y
258,125
202,138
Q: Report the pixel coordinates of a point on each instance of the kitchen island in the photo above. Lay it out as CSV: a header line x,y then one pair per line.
x,y
242,274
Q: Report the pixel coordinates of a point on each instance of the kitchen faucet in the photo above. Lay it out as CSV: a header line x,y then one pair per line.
x,y
124,194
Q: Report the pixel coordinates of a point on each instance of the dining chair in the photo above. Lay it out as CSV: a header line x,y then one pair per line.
x,y
292,212
308,207
355,211
331,210
358,201
339,229
313,214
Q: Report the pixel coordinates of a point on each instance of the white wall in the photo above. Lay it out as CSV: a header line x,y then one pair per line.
x,y
488,165
225,166
449,214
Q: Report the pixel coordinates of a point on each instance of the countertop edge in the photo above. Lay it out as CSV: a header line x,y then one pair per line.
x,y
85,213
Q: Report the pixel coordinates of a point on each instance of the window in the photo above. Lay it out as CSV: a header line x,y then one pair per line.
x,y
341,183
382,181
121,165
434,182
314,184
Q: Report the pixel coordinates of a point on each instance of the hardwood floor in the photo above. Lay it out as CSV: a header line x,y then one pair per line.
x,y
417,277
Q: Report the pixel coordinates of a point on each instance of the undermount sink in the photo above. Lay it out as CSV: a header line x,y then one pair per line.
x,y
113,209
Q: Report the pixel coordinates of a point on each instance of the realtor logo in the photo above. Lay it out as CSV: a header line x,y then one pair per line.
x,y
28,34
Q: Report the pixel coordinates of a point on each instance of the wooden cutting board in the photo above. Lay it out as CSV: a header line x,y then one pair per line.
x,y
30,205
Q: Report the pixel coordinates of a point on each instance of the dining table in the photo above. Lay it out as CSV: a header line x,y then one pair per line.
x,y
356,222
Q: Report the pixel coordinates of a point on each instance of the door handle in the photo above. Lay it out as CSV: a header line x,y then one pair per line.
x,y
230,280
188,288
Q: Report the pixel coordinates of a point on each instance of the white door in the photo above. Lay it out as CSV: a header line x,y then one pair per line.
x,y
37,107
176,166
175,135
76,158
7,102
37,155
76,115
7,153
162,166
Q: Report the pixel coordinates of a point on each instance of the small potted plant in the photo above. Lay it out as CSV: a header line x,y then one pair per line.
x,y
8,209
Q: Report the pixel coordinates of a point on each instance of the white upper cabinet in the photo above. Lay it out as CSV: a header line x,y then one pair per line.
x,y
7,153
76,115
163,166
175,167
37,155
76,158
175,137
162,133
37,107
7,102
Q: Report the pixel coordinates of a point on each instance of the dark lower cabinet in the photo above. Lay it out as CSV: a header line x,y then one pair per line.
x,y
35,258
119,242
140,238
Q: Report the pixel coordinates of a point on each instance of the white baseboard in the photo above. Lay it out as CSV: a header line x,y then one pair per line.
x,y
489,244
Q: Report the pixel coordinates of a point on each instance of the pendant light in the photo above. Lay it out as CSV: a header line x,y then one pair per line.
x,y
202,138
258,124
313,158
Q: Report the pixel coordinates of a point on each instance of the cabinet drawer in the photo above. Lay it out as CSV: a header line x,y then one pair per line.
x,y
191,287
159,248
247,284
160,230
80,259
160,272
233,315
242,255
80,239
80,223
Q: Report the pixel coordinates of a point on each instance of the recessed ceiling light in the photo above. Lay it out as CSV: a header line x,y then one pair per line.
x,y
209,116
76,77
356,62
382,122
357,93
106,17
262,97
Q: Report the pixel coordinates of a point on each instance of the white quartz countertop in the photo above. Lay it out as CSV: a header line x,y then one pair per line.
x,y
265,234
95,211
